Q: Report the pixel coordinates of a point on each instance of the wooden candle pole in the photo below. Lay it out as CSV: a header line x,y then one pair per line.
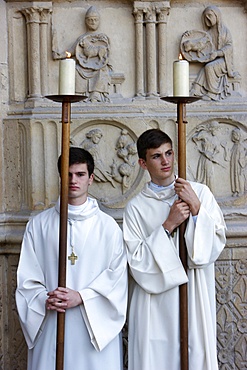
x,y
183,294
66,109
66,101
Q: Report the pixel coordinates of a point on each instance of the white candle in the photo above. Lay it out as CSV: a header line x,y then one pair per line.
x,y
181,77
67,76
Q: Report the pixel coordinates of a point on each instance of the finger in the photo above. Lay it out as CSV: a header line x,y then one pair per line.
x,y
62,289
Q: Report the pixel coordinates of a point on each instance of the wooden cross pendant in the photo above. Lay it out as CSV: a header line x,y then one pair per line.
x,y
73,257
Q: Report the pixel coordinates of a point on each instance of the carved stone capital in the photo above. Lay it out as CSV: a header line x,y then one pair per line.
x,y
31,14
44,15
162,13
150,15
138,14
36,14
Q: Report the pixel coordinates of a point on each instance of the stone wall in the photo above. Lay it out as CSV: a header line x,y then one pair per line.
x,y
139,44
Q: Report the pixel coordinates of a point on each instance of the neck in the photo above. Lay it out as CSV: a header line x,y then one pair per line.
x,y
162,185
165,182
76,202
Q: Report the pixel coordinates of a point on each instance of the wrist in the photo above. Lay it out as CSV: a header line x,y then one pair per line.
x,y
195,209
167,230
80,301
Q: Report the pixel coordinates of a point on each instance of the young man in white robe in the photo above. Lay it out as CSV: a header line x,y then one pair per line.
x,y
150,226
95,298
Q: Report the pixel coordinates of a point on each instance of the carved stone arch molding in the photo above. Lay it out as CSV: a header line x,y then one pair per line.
x,y
218,157
117,173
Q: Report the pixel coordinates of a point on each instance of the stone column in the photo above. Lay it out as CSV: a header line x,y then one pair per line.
x,y
162,15
150,18
139,52
44,18
36,21
33,49
151,47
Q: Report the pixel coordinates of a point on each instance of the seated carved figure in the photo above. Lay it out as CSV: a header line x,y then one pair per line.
x,y
213,48
91,51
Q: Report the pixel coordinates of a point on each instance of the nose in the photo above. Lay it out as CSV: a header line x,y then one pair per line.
x,y
72,178
164,159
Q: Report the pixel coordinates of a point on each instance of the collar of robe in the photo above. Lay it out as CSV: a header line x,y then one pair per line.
x,y
82,212
167,193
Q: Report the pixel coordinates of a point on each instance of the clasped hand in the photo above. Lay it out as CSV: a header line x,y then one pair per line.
x,y
185,192
187,203
61,299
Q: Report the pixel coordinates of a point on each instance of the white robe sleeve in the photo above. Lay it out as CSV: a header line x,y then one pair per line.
x,y
31,292
205,240
153,259
105,299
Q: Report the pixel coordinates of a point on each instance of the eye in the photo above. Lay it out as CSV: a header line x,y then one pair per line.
x,y
168,154
156,156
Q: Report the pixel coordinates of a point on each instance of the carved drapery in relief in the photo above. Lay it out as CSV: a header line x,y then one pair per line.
x,y
221,156
213,48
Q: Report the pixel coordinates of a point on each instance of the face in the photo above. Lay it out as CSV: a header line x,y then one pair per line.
x,y
79,182
235,136
160,164
96,138
210,19
92,22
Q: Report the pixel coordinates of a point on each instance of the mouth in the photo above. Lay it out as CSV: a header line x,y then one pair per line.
x,y
73,188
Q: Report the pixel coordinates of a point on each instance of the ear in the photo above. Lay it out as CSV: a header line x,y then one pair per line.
x,y
91,179
142,163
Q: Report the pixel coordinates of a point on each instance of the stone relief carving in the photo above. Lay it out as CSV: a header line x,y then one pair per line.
x,y
217,79
231,314
207,143
91,144
238,162
115,155
222,148
91,52
121,172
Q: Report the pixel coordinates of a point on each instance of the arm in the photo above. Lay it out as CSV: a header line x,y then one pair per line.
x,y
31,292
205,239
152,256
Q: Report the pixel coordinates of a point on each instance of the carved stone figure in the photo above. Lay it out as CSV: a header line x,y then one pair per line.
x,y
238,163
207,144
214,48
125,151
91,144
91,51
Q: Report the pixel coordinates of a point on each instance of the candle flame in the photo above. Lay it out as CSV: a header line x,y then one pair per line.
x,y
68,55
180,57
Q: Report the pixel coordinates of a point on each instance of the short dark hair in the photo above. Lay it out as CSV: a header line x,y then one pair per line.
x,y
151,139
78,155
